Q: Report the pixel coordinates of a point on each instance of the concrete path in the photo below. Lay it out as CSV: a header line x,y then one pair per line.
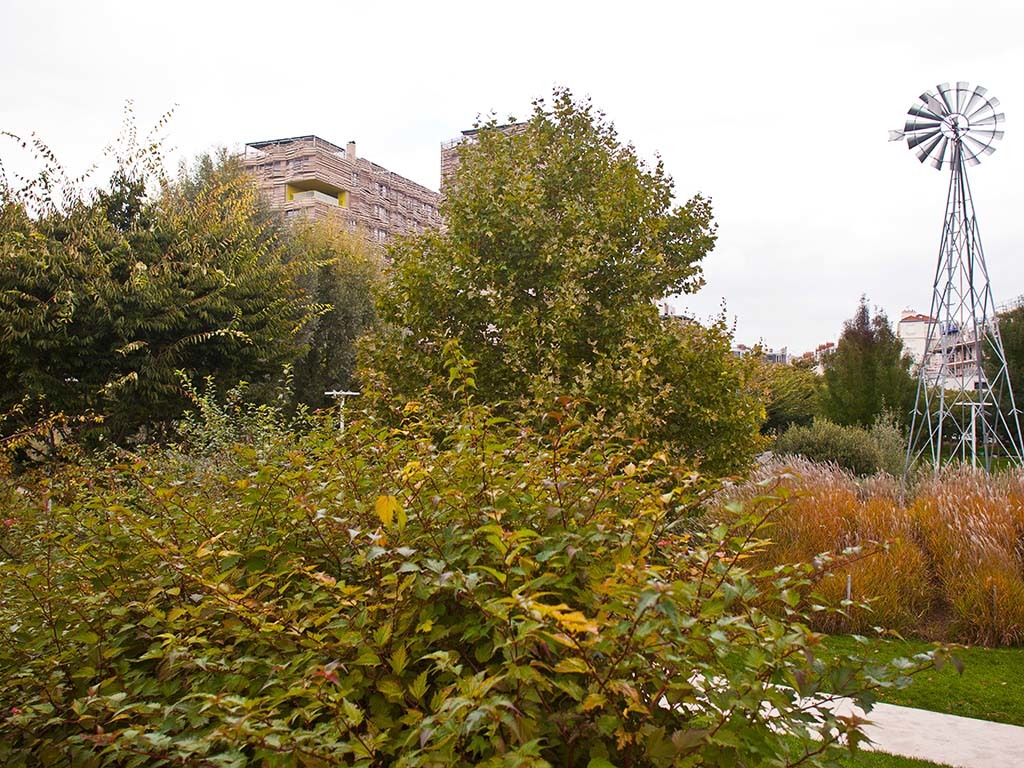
x,y
946,739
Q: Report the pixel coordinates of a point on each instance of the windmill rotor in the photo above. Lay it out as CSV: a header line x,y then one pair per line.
x,y
961,116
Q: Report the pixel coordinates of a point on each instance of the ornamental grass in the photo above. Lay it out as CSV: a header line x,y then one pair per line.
x,y
945,563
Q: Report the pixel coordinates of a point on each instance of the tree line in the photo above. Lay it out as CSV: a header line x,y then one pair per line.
x,y
558,241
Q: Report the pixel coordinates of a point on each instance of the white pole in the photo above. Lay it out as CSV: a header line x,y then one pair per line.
x,y
341,395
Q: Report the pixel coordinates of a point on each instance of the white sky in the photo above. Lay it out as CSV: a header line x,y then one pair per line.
x,y
778,111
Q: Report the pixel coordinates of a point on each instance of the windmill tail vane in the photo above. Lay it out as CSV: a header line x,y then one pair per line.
x,y
964,408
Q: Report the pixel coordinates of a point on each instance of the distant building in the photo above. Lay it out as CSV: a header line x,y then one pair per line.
x,y
953,361
823,350
308,178
912,329
782,357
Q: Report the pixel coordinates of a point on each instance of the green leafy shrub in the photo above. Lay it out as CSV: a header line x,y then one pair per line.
x,y
792,396
107,294
215,425
504,596
825,441
862,451
891,441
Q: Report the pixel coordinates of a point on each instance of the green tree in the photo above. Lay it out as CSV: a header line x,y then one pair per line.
x,y
1011,332
868,373
105,296
558,241
793,394
345,275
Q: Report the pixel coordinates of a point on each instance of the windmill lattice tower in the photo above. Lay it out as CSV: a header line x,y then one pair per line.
x,y
964,409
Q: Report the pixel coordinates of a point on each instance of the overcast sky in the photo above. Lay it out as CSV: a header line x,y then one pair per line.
x,y
777,111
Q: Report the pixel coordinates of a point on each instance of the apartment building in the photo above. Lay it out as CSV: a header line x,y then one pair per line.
x,y
310,178
953,358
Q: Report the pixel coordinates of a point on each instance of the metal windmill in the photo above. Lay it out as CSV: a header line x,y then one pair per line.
x,y
964,409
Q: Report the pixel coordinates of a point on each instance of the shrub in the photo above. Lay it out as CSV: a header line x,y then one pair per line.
x,y
862,451
891,441
107,294
501,596
849,447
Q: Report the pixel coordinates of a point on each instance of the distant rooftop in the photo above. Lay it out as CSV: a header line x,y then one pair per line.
x,y
310,137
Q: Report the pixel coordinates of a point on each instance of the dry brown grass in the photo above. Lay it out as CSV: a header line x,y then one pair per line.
x,y
971,528
955,549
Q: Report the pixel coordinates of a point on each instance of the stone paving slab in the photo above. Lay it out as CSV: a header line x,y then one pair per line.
x,y
964,742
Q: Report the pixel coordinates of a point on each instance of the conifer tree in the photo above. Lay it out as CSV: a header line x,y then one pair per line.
x,y
868,373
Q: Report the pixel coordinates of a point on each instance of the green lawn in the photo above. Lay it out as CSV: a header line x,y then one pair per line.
x,y
881,760
989,689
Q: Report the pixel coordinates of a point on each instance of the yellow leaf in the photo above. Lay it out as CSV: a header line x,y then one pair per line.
x,y
572,664
386,506
593,701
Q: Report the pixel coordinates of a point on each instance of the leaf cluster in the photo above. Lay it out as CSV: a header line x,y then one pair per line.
x,y
793,396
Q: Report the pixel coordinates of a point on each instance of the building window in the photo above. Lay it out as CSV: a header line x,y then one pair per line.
x,y
380,235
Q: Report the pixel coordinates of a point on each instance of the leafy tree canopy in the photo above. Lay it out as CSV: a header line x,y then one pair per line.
x,y
1011,332
793,396
106,295
558,240
868,373
345,274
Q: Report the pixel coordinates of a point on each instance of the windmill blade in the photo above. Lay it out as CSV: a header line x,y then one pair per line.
x,y
928,114
896,135
985,136
992,120
918,139
921,131
934,104
969,153
925,151
977,146
918,124
916,127
944,90
962,95
937,162
991,104
977,95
